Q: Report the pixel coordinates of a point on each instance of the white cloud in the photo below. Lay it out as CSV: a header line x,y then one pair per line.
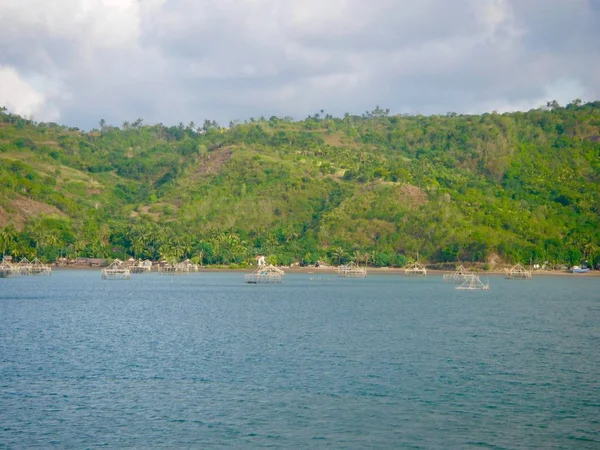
x,y
181,60
22,98
101,23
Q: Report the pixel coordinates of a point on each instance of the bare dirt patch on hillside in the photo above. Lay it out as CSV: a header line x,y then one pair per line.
x,y
22,208
145,210
338,140
211,162
412,195
48,143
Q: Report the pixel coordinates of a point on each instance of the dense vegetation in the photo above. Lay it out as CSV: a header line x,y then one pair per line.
x,y
515,187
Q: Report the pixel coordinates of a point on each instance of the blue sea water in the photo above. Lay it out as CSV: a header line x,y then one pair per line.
x,y
206,361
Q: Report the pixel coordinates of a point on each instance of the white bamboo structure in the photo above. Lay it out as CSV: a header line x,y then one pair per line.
x,y
169,269
265,275
174,268
458,275
415,269
473,283
7,269
36,267
518,272
352,270
188,266
24,267
140,266
116,271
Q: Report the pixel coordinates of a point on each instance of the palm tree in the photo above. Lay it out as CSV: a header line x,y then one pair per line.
x,y
359,256
8,236
137,246
166,251
338,252
590,249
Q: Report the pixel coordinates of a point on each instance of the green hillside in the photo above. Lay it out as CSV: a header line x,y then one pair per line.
x,y
491,188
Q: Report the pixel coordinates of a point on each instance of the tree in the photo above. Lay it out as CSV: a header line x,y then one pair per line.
x,y
338,252
8,239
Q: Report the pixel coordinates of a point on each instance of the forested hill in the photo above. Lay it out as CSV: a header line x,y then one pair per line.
x,y
494,187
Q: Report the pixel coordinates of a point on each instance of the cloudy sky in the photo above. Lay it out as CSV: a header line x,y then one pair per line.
x,y
76,61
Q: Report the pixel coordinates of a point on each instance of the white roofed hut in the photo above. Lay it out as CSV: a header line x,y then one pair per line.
x,y
518,272
36,267
116,271
188,266
415,269
352,270
172,267
268,274
140,266
169,268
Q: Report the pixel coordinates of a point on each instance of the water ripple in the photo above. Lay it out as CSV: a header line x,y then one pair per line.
x,y
205,361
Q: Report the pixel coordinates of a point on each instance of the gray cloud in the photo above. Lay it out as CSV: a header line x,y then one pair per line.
x,y
180,60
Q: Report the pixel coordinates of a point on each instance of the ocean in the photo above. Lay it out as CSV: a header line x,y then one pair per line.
x,y
207,361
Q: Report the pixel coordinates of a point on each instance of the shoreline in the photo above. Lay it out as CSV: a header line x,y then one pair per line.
x,y
373,270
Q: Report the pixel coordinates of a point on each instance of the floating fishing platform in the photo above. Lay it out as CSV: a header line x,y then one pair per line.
x,y
268,274
174,268
36,267
458,275
415,269
7,269
518,272
140,266
351,270
116,271
188,266
473,283
169,269
24,267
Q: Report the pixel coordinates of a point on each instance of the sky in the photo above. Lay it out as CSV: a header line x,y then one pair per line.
x,y
75,62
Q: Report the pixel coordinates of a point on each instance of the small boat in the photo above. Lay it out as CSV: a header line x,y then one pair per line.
x,y
473,283
579,269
